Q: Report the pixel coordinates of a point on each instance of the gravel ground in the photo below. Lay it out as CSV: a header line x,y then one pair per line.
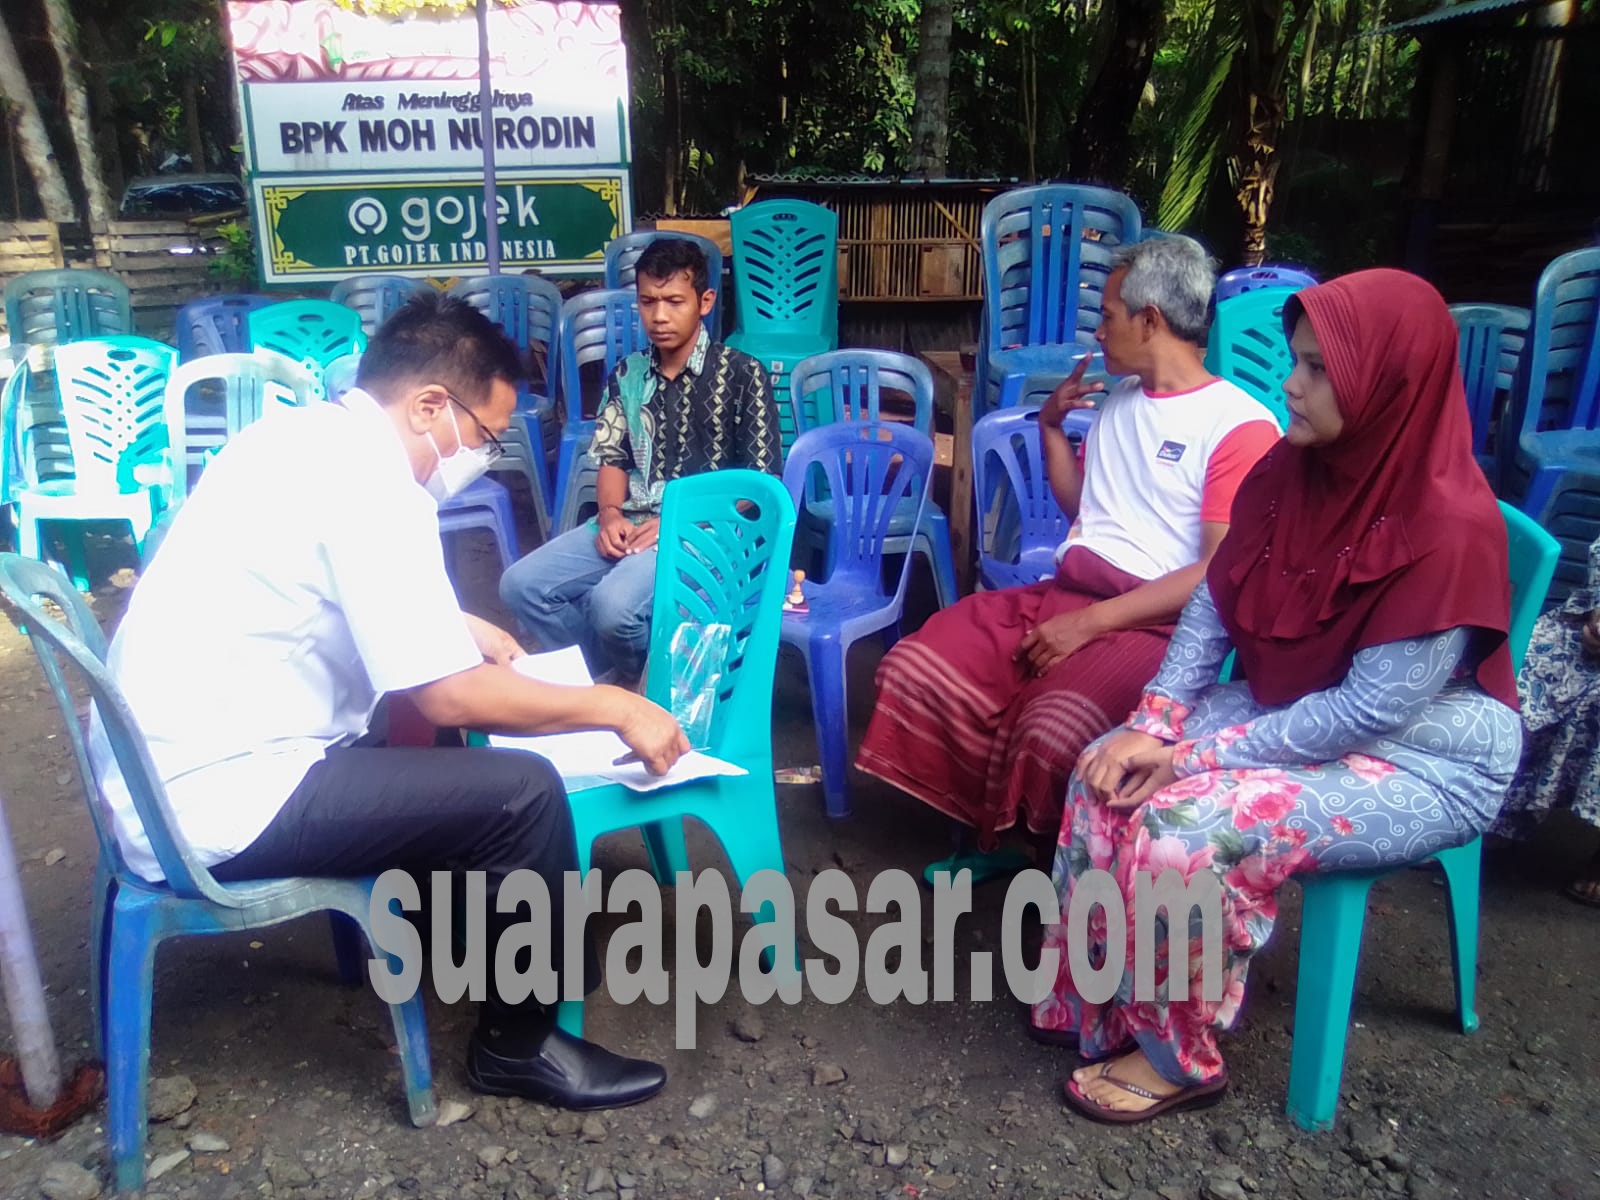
x,y
273,1081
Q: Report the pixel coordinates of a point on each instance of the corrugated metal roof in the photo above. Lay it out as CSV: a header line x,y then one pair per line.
x,y
802,177
1455,12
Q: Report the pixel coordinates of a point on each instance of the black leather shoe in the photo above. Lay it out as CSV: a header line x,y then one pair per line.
x,y
566,1072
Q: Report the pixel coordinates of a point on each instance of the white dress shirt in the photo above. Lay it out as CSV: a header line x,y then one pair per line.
x,y
301,580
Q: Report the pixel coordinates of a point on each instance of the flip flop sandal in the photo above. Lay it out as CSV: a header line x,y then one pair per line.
x,y
1065,1039
997,864
1201,1095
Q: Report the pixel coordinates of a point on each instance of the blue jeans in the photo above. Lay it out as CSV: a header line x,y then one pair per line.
x,y
567,593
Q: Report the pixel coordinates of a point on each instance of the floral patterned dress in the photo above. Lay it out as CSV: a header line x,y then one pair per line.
x,y
1405,757
1560,692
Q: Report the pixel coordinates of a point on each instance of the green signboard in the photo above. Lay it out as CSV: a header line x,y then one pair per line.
x,y
317,228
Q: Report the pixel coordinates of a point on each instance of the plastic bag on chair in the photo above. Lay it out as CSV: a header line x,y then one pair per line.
x,y
699,653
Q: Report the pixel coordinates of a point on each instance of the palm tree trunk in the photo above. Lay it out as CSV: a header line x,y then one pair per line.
x,y
930,115
54,198
1103,133
64,34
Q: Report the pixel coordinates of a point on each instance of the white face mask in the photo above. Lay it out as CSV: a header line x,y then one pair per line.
x,y
463,468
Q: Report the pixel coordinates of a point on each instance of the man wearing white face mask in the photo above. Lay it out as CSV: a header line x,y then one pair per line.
x,y
301,581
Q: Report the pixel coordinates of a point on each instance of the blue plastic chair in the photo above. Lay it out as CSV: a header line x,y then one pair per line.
x,y
1572,517
1248,279
45,308
1248,346
112,426
1046,258
243,387
1561,405
596,327
871,470
483,504
1008,474
1492,337
376,297
715,565
1335,905
312,332
786,284
848,385
215,325
131,917
622,254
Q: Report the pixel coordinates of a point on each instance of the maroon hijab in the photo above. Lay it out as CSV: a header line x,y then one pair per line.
x,y
1391,532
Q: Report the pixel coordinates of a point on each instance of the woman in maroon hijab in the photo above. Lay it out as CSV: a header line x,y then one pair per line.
x,y
1364,589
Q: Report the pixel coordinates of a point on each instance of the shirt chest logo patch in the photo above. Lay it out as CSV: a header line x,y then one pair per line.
x,y
1171,452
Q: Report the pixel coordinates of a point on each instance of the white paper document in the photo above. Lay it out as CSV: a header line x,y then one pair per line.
x,y
589,759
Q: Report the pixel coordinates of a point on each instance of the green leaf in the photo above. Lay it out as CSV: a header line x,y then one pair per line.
x,y
1229,846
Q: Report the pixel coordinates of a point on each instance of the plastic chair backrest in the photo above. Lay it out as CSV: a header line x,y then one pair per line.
x,y
1563,389
528,309
870,469
339,376
312,332
1248,279
376,297
1249,346
718,565
80,641
622,256
1533,555
215,325
1046,258
848,385
600,326
49,307
250,384
786,267
1491,338
1009,441
113,397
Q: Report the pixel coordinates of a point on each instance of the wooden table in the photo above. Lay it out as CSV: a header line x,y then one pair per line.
x,y
952,388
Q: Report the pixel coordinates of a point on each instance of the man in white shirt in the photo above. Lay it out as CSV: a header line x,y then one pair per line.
x,y
302,581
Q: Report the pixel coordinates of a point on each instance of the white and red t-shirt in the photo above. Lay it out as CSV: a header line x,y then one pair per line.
x,y
1158,464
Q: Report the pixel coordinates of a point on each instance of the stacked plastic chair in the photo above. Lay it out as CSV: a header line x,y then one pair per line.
x,y
786,285
112,410
1248,279
131,917
242,388
1248,346
596,327
622,255
1492,338
1046,258
376,297
51,307
848,385
1561,408
215,325
1020,525
1334,909
311,332
872,470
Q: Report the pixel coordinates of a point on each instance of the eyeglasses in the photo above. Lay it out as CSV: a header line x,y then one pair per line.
x,y
495,447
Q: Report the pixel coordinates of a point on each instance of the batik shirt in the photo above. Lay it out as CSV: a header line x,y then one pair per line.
x,y
717,413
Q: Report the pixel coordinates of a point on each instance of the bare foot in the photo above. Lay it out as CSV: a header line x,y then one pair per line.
x,y
1096,1082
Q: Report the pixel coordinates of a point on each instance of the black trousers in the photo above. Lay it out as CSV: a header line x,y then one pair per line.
x,y
363,810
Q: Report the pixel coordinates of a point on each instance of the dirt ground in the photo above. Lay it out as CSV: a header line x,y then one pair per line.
x,y
289,1086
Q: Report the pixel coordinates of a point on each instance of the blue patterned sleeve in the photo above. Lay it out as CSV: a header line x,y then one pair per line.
x,y
1386,688
1193,663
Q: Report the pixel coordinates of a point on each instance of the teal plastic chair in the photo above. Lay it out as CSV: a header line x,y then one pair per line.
x,y
715,565
132,916
1248,346
102,455
1335,906
241,388
312,332
786,285
51,307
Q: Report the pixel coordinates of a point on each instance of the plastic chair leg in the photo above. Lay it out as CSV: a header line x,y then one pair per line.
x,y
1332,916
664,841
755,845
933,542
505,537
132,978
830,712
569,1017
349,949
104,895
1540,488
1462,873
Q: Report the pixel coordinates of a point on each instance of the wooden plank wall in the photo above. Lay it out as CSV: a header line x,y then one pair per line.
x,y
164,263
